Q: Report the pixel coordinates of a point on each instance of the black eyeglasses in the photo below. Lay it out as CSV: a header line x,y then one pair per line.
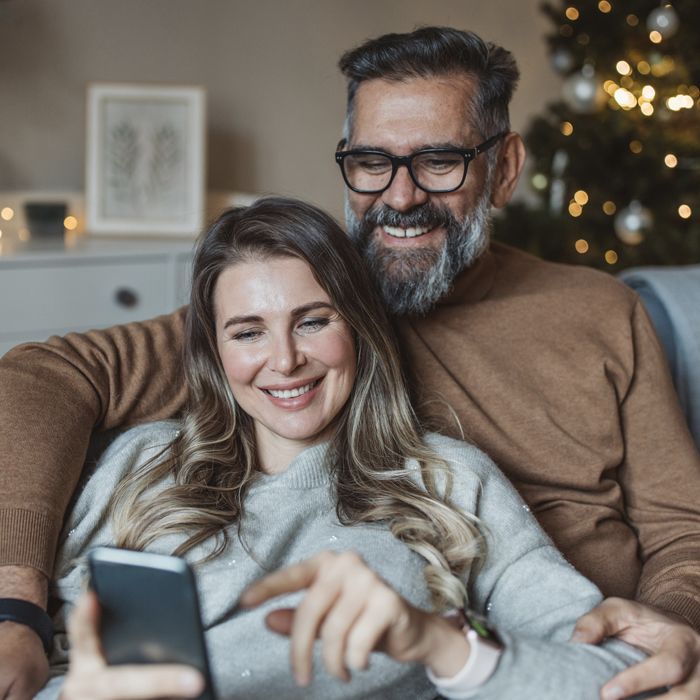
x,y
435,170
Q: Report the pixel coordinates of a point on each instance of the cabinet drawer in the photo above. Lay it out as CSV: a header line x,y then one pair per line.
x,y
43,299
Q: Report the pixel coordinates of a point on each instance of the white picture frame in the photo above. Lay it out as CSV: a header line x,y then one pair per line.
x,y
145,159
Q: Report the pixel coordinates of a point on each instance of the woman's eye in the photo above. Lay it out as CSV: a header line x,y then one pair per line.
x,y
309,325
246,336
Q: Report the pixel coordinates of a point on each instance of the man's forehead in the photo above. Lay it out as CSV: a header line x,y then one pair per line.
x,y
417,111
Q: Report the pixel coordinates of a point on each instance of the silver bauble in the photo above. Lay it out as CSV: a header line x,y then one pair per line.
x,y
633,223
582,91
562,60
663,20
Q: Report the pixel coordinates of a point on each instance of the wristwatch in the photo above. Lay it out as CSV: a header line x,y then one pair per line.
x,y
485,650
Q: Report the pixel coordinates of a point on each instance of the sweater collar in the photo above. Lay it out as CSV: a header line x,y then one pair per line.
x,y
309,469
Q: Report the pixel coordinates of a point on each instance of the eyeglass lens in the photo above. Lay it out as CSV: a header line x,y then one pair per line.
x,y
371,172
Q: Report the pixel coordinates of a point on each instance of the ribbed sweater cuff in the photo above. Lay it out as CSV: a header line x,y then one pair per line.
x,y
37,546
681,604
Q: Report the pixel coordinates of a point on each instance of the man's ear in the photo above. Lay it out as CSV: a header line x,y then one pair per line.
x,y
511,161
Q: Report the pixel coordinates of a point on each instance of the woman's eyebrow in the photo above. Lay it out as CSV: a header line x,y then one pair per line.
x,y
297,311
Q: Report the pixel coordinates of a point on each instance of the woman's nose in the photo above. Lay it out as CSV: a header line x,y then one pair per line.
x,y
285,355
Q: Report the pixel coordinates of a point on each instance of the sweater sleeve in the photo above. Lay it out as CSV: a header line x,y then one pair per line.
x,y
533,597
52,396
660,477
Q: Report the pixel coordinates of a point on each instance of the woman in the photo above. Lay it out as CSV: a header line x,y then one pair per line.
x,y
300,455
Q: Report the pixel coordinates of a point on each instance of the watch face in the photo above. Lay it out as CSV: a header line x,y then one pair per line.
x,y
480,625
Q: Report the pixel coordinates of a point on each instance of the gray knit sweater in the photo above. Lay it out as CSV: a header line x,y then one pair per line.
x,y
530,593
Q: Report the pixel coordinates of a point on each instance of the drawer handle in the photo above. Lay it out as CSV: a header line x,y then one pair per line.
x,y
126,297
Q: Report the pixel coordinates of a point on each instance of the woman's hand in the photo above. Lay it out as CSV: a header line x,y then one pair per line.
x,y
89,677
354,612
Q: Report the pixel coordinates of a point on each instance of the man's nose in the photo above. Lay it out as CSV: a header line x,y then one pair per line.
x,y
285,355
403,194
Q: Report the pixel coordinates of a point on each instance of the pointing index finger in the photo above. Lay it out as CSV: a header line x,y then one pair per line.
x,y
287,580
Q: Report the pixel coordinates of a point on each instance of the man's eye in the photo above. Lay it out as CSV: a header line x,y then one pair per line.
x,y
439,163
373,164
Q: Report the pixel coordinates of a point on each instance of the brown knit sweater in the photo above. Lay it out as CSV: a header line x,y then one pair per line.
x,y
552,370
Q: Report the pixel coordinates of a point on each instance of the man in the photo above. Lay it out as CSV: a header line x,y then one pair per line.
x,y
554,371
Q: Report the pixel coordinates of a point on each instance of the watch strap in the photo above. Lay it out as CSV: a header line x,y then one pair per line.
x,y
25,613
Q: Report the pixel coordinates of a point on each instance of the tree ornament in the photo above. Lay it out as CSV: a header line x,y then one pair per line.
x,y
663,20
582,91
562,60
633,223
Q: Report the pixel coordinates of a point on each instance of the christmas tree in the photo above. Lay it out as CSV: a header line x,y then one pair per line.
x,y
615,163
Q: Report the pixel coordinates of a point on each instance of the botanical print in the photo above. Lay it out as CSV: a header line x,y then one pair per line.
x,y
144,173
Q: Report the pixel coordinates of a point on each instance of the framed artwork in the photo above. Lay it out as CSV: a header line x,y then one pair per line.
x,y
145,159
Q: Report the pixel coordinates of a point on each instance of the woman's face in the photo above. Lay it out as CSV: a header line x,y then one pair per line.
x,y
288,355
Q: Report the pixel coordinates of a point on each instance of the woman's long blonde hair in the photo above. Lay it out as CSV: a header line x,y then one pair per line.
x,y
214,459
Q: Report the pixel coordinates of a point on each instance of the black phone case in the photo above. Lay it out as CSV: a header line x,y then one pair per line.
x,y
150,610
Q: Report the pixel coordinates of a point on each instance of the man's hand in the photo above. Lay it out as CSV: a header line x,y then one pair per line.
x,y
673,648
23,666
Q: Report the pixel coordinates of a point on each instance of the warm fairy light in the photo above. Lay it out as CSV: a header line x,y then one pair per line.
x,y
575,209
581,246
70,223
684,211
610,257
648,92
625,98
679,102
626,82
663,66
694,91
567,128
539,181
604,6
632,20
623,68
572,13
609,207
655,37
636,146
24,234
7,213
647,109
610,86
581,197
644,68
670,160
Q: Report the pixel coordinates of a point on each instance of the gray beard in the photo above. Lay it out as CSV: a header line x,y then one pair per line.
x,y
412,281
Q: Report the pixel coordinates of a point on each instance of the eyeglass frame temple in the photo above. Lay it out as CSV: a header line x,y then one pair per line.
x,y
397,161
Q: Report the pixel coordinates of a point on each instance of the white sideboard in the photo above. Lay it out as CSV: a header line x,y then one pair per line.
x,y
81,282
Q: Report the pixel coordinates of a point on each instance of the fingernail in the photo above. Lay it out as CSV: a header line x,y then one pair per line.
x,y
614,692
191,682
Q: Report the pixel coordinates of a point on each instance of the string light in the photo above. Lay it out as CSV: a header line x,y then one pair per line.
x,y
572,13
610,257
575,209
647,109
609,207
632,20
610,86
670,160
7,213
581,246
567,128
604,6
625,98
70,223
581,197
539,181
679,102
684,211
24,234
648,92
636,146
655,37
644,68
623,68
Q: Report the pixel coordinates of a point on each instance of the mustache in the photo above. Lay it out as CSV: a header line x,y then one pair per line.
x,y
425,216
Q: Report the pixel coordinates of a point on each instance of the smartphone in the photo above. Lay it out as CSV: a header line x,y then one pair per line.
x,y
150,610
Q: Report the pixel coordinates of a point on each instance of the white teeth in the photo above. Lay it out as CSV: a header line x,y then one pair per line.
x,y
410,232
291,393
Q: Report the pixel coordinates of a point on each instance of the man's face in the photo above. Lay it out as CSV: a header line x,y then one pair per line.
x,y
446,232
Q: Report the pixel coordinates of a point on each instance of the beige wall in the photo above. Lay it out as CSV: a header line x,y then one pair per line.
x,y
275,97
